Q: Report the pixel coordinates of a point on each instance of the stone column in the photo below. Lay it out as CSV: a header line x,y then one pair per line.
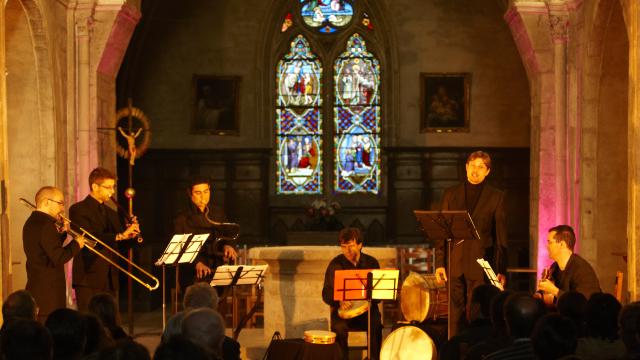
x,y
86,125
633,228
5,245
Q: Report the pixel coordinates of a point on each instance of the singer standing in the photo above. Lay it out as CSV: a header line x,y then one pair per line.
x,y
197,219
485,204
91,274
43,237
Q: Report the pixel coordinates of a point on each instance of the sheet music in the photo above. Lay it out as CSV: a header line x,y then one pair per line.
x,y
385,284
172,250
249,275
490,273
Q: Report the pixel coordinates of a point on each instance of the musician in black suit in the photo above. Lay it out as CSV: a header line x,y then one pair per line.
x,y
198,218
43,238
91,274
486,206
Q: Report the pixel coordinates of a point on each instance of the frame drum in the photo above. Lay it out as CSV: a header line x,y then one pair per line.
x,y
358,307
419,298
319,337
408,343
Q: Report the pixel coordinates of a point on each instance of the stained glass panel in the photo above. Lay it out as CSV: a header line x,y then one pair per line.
x,y
357,119
326,15
299,121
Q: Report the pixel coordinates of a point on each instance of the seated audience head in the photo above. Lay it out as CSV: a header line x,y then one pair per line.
x,y
125,350
481,301
497,311
19,305
179,347
204,326
629,329
521,311
174,326
554,337
200,295
26,339
68,329
601,316
573,305
104,306
97,336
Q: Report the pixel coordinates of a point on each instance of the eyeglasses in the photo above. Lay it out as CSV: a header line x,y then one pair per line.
x,y
61,203
110,187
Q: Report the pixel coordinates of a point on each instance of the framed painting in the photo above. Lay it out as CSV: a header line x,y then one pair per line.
x,y
215,105
444,102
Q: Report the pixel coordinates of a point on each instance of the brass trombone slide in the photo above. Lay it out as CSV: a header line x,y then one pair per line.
x,y
92,241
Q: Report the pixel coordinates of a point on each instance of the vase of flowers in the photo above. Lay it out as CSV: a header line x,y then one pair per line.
x,y
321,215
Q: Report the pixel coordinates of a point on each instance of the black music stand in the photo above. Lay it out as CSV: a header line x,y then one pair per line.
x,y
377,284
183,248
232,276
449,226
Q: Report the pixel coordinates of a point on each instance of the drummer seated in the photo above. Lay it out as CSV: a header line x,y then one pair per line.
x,y
479,328
352,257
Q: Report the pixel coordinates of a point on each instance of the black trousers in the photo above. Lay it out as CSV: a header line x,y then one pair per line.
x,y
461,290
342,326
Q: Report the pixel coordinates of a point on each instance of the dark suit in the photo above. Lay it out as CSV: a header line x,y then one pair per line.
x,y
489,219
193,221
45,262
91,274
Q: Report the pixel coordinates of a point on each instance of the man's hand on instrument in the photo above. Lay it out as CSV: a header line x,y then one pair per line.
x,y
441,275
80,241
548,287
230,253
202,270
502,279
132,231
346,305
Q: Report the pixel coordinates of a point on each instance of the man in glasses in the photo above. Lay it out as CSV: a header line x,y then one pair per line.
x,y
91,274
43,237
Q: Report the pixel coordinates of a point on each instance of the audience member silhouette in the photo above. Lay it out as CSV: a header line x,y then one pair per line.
x,y
205,326
174,326
26,339
104,306
479,327
68,329
602,340
18,305
179,347
125,349
499,338
521,311
555,336
629,329
97,336
573,305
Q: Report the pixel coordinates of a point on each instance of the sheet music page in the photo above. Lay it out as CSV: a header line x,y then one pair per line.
x,y
250,274
172,250
488,270
194,248
385,284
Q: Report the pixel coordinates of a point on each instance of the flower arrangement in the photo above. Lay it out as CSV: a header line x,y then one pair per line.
x,y
321,215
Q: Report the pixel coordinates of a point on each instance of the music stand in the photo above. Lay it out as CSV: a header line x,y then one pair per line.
x,y
448,226
181,249
232,276
368,285
488,270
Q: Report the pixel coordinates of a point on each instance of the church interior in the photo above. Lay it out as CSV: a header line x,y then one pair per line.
x,y
227,88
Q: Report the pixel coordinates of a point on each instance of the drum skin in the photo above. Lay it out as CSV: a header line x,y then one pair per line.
x,y
319,337
358,307
408,343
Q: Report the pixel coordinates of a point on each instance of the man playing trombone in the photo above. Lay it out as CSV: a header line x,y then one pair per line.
x,y
43,237
200,218
92,275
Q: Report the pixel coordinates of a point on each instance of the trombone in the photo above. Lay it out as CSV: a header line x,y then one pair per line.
x,y
93,241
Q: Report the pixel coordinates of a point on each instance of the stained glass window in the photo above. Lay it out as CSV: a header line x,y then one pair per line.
x,y
357,119
326,15
299,121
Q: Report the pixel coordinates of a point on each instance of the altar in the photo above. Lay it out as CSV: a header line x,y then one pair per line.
x,y
293,285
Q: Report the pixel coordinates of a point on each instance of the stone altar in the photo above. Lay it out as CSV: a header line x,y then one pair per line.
x,y
293,285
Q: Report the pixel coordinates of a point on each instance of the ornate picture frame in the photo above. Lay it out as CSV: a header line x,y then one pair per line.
x,y
216,105
444,102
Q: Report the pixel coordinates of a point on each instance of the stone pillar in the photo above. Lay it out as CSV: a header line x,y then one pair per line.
x,y
86,125
5,245
293,286
632,11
